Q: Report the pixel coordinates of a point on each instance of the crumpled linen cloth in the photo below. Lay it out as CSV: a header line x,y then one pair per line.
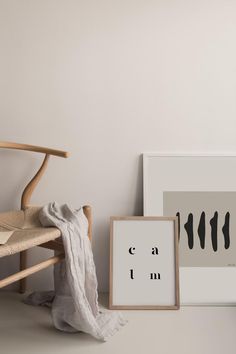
x,y
75,299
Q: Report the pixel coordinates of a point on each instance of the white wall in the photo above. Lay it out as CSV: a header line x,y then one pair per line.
x,y
107,80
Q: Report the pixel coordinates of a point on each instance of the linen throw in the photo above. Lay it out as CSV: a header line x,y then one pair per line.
x,y
75,300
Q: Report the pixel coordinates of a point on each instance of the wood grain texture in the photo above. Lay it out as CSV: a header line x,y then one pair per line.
x,y
25,203
33,148
55,245
88,213
28,191
31,270
25,200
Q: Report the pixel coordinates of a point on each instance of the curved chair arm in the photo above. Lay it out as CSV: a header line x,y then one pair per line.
x,y
44,150
25,199
27,193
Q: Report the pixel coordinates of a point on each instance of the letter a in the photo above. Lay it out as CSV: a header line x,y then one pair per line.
x,y
154,250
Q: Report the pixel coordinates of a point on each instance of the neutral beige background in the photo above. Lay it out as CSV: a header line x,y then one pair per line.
x,y
196,203
108,80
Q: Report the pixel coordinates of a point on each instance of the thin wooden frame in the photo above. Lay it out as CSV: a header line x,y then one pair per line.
x,y
176,262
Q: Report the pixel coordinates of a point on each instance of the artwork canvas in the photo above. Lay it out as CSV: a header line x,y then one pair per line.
x,y
207,225
202,189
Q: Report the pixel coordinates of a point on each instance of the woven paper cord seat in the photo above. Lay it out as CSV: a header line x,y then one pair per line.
x,y
27,231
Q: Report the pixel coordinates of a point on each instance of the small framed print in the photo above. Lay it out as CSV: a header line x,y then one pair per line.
x,y
144,269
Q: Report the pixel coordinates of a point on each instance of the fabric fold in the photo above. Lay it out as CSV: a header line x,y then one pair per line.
x,y
75,300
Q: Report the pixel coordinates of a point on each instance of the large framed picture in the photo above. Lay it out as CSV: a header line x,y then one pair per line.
x,y
200,190
144,271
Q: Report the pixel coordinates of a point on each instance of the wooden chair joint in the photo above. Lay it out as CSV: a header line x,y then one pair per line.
x,y
25,203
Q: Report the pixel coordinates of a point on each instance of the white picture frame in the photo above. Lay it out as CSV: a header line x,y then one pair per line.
x,y
144,270
193,172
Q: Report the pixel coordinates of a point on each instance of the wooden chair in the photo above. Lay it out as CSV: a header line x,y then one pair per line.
x,y
28,232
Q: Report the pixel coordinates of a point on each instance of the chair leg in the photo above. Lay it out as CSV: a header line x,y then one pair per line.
x,y
88,213
23,265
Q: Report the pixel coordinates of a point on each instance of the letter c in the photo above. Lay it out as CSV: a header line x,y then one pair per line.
x,y
131,249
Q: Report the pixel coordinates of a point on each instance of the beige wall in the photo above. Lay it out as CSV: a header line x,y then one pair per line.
x,y
107,80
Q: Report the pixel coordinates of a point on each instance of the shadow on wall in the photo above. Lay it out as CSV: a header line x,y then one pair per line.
x,y
138,204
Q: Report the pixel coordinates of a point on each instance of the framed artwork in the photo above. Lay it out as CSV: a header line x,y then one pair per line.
x,y
201,191
144,270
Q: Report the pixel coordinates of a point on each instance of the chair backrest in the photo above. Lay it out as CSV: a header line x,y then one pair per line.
x,y
28,191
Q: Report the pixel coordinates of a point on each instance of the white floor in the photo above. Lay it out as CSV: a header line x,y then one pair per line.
x,y
192,330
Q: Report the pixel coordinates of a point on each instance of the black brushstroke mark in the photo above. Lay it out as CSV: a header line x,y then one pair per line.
x,y
213,223
225,230
202,229
178,216
189,229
